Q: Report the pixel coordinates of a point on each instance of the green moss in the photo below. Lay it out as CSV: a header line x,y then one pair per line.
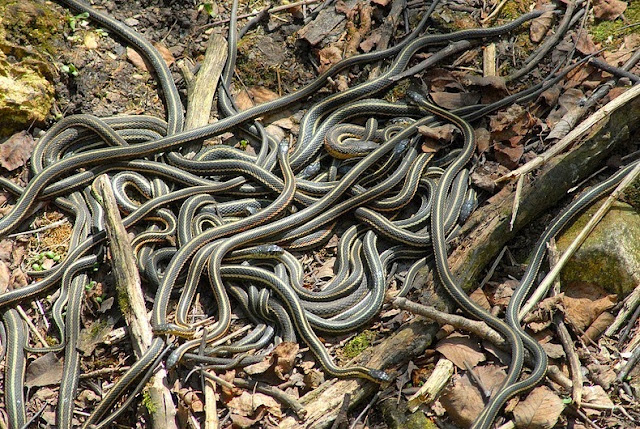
x,y
398,91
358,344
151,406
32,23
613,32
123,301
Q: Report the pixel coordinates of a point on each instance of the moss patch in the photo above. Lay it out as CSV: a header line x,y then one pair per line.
x,y
358,344
613,32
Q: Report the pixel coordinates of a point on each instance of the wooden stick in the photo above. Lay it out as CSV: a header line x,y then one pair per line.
x,y
131,300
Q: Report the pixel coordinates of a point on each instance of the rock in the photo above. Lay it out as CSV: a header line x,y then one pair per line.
x,y
25,96
610,256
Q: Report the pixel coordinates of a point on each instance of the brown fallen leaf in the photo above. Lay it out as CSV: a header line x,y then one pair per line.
x,y
584,302
285,357
166,54
459,349
136,59
445,134
463,401
455,100
255,95
328,56
584,43
6,246
608,9
598,326
44,371
483,140
247,404
540,26
16,150
243,422
479,297
597,396
540,410
326,269
507,155
5,276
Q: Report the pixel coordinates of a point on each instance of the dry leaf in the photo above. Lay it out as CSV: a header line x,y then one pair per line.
x,y
44,371
584,43
136,59
479,297
584,302
444,133
329,56
367,44
166,54
462,401
90,40
608,9
5,276
242,422
507,155
540,26
455,100
554,351
247,404
460,349
285,357
483,140
16,150
326,270
6,246
598,326
597,396
540,410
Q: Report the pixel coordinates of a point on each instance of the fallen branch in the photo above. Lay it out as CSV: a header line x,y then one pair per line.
x,y
128,285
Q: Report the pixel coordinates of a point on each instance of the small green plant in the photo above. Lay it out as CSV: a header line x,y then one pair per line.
x,y
76,21
90,285
243,144
100,32
69,69
148,402
208,8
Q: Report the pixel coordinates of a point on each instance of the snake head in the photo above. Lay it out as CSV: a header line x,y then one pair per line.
x,y
269,250
380,376
416,98
283,147
401,146
310,170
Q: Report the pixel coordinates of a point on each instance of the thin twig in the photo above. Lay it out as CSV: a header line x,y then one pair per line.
x,y
32,327
278,394
41,229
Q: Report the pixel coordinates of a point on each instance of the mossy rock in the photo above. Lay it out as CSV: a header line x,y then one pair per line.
x,y
30,32
610,256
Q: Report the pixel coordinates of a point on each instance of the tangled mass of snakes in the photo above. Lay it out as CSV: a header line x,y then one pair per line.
x,y
230,222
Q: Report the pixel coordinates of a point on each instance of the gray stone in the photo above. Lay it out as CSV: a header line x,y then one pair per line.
x,y
610,256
